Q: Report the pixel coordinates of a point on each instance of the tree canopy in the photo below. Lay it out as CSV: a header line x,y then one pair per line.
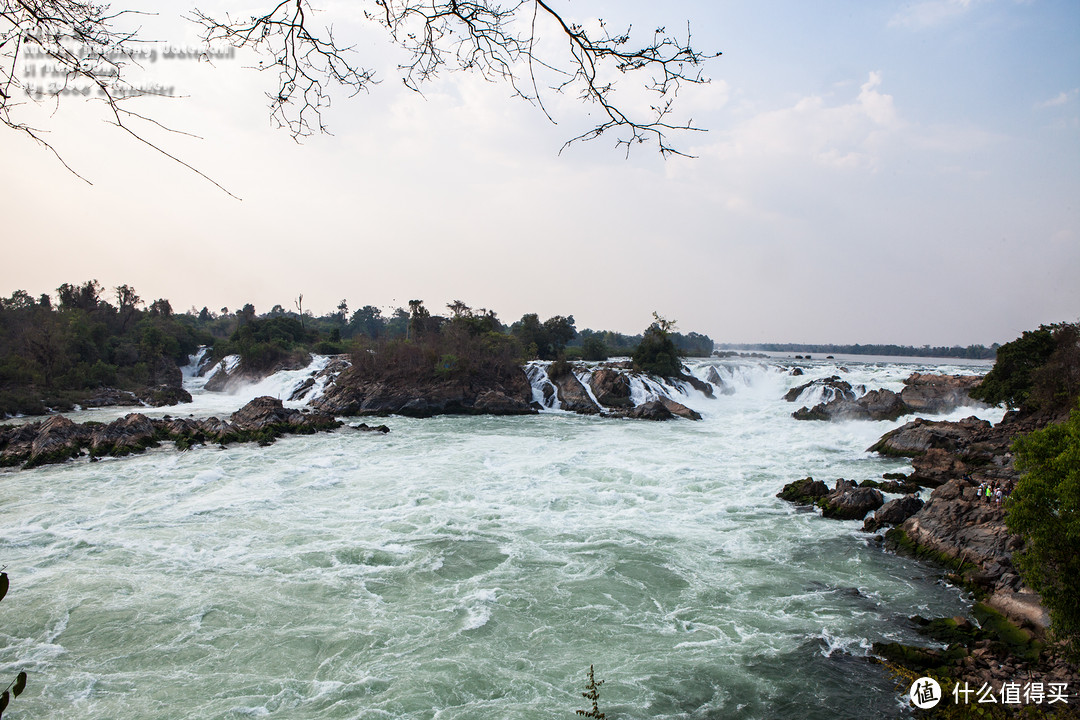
x,y
1038,371
1044,509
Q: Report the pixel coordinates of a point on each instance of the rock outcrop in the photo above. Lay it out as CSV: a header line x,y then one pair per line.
x,y
959,526
893,512
846,501
937,394
611,388
922,393
833,388
850,502
57,438
351,394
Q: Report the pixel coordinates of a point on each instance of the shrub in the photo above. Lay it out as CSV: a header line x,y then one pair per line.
x,y
1044,509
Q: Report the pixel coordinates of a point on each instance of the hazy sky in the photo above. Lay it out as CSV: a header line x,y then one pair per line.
x,y
901,172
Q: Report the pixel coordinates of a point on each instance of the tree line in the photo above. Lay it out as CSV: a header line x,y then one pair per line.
x,y
971,352
58,350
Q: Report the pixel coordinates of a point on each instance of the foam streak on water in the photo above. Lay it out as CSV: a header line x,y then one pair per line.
x,y
464,568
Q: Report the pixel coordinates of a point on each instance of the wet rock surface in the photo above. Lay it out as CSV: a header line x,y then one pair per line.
x,y
57,438
922,393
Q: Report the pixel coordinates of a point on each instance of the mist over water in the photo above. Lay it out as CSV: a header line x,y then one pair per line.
x,y
466,567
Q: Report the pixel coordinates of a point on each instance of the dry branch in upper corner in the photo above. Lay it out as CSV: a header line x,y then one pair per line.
x,y
528,44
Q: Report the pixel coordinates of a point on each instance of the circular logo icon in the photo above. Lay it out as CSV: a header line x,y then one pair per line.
x,y
925,693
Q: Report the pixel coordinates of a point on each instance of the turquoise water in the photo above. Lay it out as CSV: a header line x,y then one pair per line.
x,y
464,568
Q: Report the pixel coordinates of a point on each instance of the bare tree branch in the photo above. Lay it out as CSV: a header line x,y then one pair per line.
x,y
527,44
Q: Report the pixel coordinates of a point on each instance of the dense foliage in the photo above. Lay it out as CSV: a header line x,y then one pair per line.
x,y
459,349
1045,510
1037,372
657,353
56,356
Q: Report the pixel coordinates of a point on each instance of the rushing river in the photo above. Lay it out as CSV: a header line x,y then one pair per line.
x,y
467,567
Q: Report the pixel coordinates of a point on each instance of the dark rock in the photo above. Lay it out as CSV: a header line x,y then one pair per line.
x,y
162,395
680,410
713,376
302,389
700,385
131,433
936,466
833,388
351,394
573,396
874,405
804,492
893,512
654,410
920,435
611,388
57,440
364,427
926,393
848,502
262,412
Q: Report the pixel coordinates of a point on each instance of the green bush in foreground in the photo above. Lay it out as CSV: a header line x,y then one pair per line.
x,y
1045,510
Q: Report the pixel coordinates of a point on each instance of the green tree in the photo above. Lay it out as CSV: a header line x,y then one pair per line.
x,y
1010,380
1044,510
656,353
594,349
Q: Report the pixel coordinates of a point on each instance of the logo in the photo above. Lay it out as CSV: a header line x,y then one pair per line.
x,y
925,693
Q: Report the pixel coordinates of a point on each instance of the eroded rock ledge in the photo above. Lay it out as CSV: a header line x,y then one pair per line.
x,y
922,393
57,438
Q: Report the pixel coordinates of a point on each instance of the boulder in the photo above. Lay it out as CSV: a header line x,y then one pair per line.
x,y
804,492
654,410
920,435
262,412
131,433
893,512
935,394
832,388
713,377
680,410
848,502
352,394
874,405
936,466
56,440
611,388
573,396
700,385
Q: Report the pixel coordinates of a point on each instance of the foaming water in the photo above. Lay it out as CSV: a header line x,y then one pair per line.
x,y
466,567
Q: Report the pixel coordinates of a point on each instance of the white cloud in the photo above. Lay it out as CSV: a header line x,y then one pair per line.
x,y
1062,98
841,136
930,13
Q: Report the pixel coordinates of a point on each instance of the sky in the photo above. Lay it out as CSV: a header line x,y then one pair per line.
x,y
886,172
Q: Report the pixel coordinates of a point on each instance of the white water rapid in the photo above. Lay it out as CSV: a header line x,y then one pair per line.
x,y
467,567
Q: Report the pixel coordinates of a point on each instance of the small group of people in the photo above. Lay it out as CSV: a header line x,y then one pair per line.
x,y
992,493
